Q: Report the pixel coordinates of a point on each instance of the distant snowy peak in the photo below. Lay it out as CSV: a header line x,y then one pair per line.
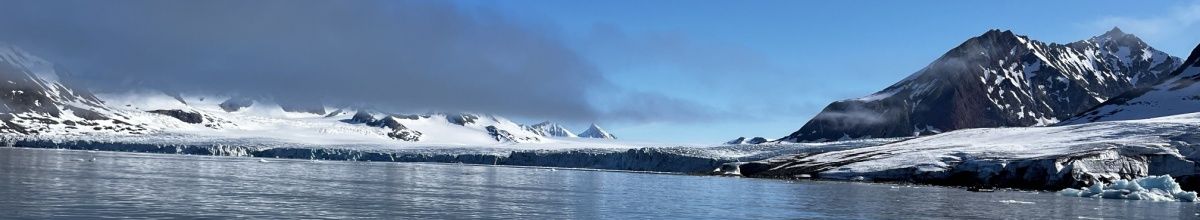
x,y
550,129
595,131
446,127
743,140
997,79
1177,94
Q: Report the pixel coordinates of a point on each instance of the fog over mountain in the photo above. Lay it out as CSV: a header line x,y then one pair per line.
x,y
394,55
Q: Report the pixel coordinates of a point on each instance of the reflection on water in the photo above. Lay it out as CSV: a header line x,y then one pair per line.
x,y
69,184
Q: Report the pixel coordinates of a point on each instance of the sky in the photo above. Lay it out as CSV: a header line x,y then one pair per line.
x,y
660,71
772,65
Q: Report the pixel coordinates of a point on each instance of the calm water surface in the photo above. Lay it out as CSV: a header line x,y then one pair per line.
x,y
37,183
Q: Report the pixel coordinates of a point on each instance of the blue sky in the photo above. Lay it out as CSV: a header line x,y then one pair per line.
x,y
765,67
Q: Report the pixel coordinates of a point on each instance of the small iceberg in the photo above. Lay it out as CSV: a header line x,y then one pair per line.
x,y
1016,202
1153,188
262,161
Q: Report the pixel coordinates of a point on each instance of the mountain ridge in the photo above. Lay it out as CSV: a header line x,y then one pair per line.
x,y
996,79
1176,94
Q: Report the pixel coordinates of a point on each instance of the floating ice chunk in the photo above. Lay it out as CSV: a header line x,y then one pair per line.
x,y
262,161
1153,188
1015,202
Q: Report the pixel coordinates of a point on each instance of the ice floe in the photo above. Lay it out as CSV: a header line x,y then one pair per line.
x,y
1153,188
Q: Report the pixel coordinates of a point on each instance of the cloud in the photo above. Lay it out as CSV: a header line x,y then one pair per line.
x,y
852,116
654,107
1172,22
677,50
718,79
397,55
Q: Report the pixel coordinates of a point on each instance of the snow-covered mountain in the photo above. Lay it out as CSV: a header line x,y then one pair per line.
x,y
550,129
36,101
1177,94
212,116
595,131
998,79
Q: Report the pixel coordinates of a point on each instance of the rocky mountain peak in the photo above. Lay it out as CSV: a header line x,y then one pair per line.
x,y
998,79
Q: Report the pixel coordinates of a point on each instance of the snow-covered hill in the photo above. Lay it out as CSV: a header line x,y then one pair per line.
x,y
1177,94
998,79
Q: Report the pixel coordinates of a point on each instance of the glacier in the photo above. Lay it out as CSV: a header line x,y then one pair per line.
x,y
1043,158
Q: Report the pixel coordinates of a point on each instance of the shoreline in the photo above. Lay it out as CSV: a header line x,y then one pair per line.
x,y
774,178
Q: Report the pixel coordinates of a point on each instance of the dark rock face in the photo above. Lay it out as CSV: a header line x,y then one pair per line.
x,y
405,135
35,96
361,118
998,79
502,135
387,122
26,92
304,107
185,116
739,140
757,140
27,95
86,113
399,131
461,118
235,104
